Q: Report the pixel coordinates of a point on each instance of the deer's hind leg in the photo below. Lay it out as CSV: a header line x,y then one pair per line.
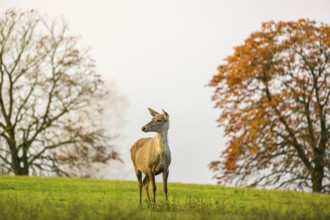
x,y
146,182
139,177
153,182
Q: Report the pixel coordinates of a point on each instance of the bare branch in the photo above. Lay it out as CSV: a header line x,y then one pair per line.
x,y
49,100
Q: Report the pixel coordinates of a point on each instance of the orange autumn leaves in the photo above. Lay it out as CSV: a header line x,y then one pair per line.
x,y
273,93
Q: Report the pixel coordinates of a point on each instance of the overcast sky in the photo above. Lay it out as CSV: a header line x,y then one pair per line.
x,y
162,54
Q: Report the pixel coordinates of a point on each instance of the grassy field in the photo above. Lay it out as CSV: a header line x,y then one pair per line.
x,y
60,198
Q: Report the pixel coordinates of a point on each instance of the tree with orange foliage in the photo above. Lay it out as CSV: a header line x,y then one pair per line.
x,y
273,93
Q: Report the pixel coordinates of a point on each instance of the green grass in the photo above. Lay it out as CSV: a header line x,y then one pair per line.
x,y
60,198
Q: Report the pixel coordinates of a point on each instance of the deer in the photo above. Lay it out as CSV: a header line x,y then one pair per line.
x,y
152,156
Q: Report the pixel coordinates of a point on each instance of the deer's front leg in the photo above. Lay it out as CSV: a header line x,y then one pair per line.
x,y
153,182
165,176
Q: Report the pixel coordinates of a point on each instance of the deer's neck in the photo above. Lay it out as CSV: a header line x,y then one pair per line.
x,y
162,143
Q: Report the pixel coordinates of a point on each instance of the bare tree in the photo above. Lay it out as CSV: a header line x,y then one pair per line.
x,y
50,96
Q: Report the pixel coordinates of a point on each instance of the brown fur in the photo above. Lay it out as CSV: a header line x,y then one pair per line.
x,y
152,156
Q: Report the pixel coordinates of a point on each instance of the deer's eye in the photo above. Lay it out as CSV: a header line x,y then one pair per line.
x,y
159,120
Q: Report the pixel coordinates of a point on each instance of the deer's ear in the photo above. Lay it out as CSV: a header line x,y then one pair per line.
x,y
165,115
152,112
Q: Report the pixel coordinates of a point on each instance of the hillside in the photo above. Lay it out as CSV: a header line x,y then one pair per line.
x,y
61,198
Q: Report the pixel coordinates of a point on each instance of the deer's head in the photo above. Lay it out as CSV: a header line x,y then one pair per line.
x,y
158,123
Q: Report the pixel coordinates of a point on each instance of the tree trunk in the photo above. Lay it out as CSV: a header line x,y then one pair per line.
x,y
20,164
318,171
21,170
317,180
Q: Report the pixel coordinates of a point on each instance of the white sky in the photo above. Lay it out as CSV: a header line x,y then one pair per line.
x,y
162,54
